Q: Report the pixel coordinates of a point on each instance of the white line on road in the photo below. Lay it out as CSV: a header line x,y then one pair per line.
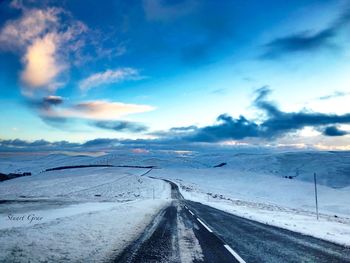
x,y
200,221
236,256
240,260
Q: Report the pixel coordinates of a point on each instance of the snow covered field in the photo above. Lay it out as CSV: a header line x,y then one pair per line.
x,y
80,215
87,236
91,214
85,184
36,163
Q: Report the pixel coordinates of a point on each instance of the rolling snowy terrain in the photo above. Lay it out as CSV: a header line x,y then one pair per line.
x,y
93,213
87,214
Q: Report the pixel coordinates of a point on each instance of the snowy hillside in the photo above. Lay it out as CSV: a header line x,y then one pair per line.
x,y
108,184
77,215
95,212
38,163
332,168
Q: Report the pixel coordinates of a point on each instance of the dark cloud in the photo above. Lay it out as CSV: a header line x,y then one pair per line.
x,y
14,143
343,19
282,123
279,123
275,124
53,100
46,102
226,128
38,145
101,142
45,105
121,126
56,122
184,129
300,42
306,41
48,109
175,133
334,131
335,94
18,145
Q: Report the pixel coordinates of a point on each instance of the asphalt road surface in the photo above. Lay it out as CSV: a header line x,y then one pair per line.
x,y
221,237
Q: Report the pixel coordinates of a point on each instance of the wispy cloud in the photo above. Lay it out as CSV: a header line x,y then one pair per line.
x,y
91,110
219,91
307,41
32,24
300,42
121,126
109,76
158,10
335,94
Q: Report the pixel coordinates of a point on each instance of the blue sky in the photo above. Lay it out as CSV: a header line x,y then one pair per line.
x,y
176,71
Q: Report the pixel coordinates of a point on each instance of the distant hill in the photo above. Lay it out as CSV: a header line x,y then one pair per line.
x,y
332,168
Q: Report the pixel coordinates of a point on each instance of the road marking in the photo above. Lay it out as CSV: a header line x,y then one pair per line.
x,y
234,254
240,260
200,221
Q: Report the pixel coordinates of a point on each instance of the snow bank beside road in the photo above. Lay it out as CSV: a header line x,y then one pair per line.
x,y
83,215
333,229
93,236
268,199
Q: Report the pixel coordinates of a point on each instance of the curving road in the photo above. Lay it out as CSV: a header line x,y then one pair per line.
x,y
217,236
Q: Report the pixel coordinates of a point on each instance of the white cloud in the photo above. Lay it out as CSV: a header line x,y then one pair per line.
x,y
41,66
33,24
39,36
49,41
95,110
109,76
